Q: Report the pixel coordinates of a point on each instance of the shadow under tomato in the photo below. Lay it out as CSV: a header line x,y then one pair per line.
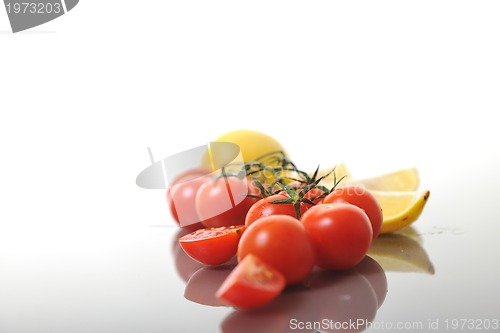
x,y
327,302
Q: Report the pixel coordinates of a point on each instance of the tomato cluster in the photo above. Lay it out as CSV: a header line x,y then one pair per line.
x,y
278,236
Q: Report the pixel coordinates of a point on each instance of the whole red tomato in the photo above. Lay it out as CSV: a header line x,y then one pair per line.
x,y
224,201
266,207
181,197
340,233
313,194
364,199
280,241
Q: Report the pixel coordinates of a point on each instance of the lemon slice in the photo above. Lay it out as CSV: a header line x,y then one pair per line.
x,y
401,180
400,209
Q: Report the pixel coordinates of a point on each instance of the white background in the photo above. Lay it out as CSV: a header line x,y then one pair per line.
x,y
380,85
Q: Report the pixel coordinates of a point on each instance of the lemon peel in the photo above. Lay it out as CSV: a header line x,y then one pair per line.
x,y
400,209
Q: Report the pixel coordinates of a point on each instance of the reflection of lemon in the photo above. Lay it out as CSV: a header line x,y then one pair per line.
x,y
401,180
400,209
398,253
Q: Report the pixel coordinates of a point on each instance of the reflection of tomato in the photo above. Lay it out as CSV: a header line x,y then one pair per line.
x,y
265,207
264,319
251,284
364,199
280,241
203,285
341,234
223,201
181,197
375,275
344,297
212,246
325,296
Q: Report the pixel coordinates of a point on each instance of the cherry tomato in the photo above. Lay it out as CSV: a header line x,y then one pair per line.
x,y
181,197
251,284
212,246
341,234
359,196
184,264
312,193
265,207
223,202
282,242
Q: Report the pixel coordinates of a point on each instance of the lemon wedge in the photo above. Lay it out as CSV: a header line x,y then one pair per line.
x,y
400,209
401,180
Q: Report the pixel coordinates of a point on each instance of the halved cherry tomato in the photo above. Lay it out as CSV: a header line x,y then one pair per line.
x,y
212,246
280,241
341,234
224,201
265,207
364,199
251,284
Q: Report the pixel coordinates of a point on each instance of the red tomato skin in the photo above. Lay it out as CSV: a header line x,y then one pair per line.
x,y
282,242
181,198
251,284
340,233
215,250
215,207
312,193
264,207
364,199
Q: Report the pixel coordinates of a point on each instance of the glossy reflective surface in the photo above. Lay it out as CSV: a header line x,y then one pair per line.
x,y
437,273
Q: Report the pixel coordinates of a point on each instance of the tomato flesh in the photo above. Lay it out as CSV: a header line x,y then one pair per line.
x,y
251,284
212,246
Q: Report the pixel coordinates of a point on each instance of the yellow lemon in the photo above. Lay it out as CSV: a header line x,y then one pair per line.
x,y
401,180
400,209
253,145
